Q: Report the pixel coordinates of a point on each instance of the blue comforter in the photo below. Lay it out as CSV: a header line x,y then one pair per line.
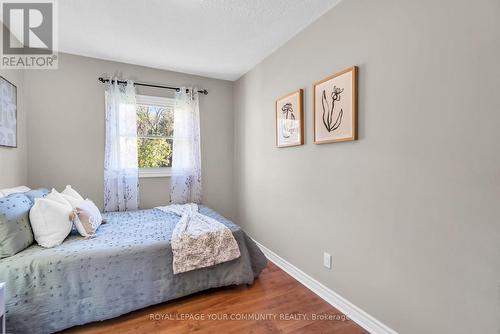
x,y
127,266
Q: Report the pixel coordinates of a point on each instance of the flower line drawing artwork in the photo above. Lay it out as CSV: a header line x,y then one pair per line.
x,y
289,119
328,113
335,107
287,126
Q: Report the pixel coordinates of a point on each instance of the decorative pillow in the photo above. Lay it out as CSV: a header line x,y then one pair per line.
x,y
36,193
8,191
58,197
87,218
72,196
15,229
49,218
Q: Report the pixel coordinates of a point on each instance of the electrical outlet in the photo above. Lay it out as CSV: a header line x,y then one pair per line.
x,y
327,260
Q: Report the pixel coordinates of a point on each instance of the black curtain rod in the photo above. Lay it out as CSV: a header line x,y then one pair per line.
x,y
101,79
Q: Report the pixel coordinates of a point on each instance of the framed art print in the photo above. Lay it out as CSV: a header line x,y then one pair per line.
x,y
8,114
335,107
290,119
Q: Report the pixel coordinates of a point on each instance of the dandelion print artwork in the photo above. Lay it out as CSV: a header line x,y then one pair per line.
x,y
289,120
335,107
8,114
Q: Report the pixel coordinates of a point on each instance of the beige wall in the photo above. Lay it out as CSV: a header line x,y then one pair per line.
x,y
410,212
66,129
13,161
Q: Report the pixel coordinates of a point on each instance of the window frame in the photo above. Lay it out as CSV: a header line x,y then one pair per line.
x,y
157,101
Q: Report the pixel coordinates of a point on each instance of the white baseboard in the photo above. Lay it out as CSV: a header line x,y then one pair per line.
x,y
356,314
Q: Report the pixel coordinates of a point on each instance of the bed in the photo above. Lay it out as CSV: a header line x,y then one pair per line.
x,y
127,266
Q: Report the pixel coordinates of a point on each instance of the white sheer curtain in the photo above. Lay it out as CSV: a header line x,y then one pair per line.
x,y
121,171
186,162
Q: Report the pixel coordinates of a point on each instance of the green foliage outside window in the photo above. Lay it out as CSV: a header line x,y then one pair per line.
x,y
154,136
154,153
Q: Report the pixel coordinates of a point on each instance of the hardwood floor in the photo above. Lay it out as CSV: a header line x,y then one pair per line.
x,y
274,296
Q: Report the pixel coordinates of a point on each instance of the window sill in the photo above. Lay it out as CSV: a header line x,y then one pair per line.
x,y
155,172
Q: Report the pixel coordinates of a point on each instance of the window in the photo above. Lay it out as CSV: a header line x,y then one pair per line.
x,y
155,130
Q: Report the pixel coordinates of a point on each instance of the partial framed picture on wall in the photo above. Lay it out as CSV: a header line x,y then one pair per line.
x,y
8,113
290,119
335,107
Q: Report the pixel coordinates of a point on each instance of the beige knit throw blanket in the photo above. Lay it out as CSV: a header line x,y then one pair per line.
x,y
199,241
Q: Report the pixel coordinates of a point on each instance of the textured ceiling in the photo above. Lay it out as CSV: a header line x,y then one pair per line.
x,y
215,38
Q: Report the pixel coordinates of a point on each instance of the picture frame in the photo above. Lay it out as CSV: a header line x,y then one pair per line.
x,y
289,119
335,107
8,113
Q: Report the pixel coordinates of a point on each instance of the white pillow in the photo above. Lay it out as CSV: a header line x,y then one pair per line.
x,y
8,191
87,218
58,197
50,221
72,196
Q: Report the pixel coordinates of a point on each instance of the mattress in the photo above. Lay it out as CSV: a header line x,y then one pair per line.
x,y
127,266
